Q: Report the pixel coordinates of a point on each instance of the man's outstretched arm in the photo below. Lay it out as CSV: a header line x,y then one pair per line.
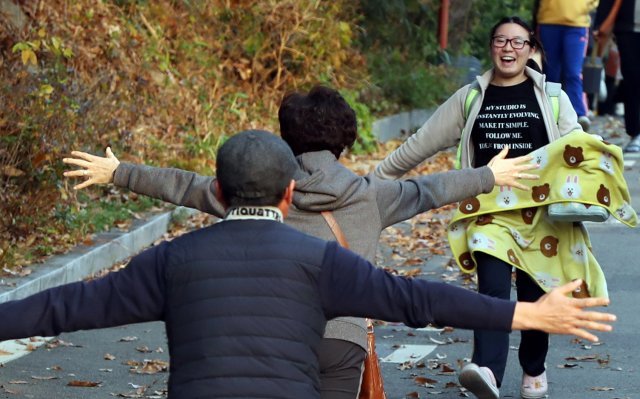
x,y
354,287
132,295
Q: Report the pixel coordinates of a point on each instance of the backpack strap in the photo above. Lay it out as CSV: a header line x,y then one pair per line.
x,y
472,96
553,90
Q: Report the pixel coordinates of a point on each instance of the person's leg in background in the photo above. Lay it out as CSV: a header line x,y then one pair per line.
x,y
611,69
341,365
549,36
574,46
629,48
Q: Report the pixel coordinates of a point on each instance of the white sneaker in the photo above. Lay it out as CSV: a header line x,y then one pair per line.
x,y
633,146
585,122
480,381
534,387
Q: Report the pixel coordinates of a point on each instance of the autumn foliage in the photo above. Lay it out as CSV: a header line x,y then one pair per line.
x,y
163,82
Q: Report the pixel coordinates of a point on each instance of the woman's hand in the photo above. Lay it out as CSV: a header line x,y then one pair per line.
x,y
557,313
507,172
97,170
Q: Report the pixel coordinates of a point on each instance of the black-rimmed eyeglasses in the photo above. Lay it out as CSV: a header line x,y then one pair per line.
x,y
516,43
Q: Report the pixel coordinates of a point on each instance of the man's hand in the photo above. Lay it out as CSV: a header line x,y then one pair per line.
x,y
97,170
557,313
507,171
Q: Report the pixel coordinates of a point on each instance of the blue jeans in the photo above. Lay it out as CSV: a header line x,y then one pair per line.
x,y
565,48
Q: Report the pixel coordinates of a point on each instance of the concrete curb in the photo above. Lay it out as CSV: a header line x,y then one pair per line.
x,y
109,248
400,125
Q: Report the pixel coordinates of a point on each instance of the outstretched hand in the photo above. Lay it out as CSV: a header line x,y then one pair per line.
x,y
97,170
557,313
507,172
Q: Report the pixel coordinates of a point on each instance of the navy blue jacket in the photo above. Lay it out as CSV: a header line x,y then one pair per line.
x,y
245,304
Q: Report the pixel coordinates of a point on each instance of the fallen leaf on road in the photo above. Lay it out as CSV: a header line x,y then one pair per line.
x,y
586,358
128,339
133,394
46,377
106,370
143,349
151,367
411,273
109,356
133,363
413,261
603,389
446,370
405,365
412,395
58,342
18,382
604,362
5,353
425,380
83,384
450,384
567,366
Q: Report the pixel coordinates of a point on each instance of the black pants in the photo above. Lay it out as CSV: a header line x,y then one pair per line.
x,y
614,96
490,348
340,368
629,47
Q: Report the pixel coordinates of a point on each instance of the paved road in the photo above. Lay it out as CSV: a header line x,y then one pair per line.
x,y
114,357
611,365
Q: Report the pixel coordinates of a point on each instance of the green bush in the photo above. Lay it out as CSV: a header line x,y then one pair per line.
x,y
400,40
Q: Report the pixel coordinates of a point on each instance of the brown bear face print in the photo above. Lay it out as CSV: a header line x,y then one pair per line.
x,y
466,262
572,155
540,193
470,205
603,195
512,257
549,246
484,220
582,291
528,214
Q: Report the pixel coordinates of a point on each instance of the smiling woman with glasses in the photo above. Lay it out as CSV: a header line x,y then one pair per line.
x,y
506,106
517,42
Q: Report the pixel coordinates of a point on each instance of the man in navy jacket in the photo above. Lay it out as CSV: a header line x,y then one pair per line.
x,y
245,301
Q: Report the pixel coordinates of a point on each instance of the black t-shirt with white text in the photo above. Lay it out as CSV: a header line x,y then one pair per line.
x,y
510,115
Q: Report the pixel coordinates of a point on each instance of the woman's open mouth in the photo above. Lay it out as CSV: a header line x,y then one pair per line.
x,y
507,60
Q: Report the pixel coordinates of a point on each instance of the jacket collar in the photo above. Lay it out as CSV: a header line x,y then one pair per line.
x,y
538,79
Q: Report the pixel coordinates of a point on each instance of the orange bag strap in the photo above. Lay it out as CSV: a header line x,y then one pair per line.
x,y
335,228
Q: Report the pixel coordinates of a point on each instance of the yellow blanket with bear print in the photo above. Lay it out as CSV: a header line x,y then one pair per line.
x,y
513,225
